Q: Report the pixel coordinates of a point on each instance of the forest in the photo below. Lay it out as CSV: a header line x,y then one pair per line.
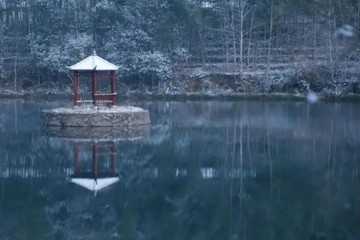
x,y
183,46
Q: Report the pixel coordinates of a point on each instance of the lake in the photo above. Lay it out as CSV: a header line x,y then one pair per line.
x,y
202,170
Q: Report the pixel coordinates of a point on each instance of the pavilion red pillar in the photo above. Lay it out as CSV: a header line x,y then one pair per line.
x,y
95,159
94,87
113,157
76,157
76,87
113,87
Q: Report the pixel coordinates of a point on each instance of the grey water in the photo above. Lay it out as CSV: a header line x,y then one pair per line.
x,y
206,170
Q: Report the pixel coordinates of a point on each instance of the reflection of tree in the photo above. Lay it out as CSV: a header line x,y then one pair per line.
x,y
79,217
2,122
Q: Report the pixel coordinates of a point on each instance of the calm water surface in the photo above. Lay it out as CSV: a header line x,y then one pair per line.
x,y
205,170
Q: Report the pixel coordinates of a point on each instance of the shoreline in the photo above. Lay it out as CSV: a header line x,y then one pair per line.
x,y
197,96
199,84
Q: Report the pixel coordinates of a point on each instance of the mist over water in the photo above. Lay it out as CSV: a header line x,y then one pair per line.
x,y
205,170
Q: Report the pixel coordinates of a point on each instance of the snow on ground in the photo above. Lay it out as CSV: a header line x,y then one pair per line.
x,y
100,109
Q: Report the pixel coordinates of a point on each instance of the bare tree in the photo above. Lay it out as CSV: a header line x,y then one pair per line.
x,y
244,10
250,39
270,36
233,30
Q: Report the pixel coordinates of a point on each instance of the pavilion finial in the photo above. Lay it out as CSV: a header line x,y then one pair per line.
x,y
94,53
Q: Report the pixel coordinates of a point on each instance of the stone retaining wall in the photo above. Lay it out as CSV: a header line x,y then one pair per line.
x,y
95,117
97,133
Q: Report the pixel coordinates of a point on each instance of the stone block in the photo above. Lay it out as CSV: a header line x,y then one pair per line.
x,y
95,117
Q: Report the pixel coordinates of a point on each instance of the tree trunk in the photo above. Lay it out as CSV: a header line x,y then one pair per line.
x,y
270,35
250,39
234,38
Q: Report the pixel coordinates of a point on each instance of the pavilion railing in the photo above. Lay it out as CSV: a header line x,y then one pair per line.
x,y
105,98
85,98
96,99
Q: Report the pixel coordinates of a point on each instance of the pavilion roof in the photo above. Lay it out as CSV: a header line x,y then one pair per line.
x,y
94,62
95,184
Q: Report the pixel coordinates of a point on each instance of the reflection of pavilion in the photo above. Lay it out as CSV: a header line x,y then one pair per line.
x,y
96,179
101,142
